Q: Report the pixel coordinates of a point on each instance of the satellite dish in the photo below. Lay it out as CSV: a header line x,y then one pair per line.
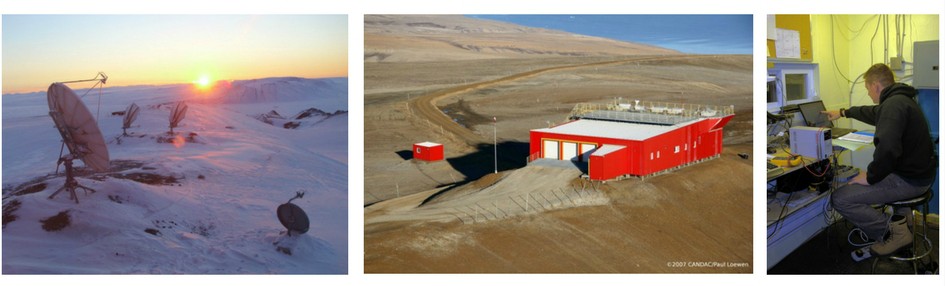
x,y
180,110
130,115
80,133
292,217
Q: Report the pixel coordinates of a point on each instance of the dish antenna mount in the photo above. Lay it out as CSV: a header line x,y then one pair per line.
x,y
79,131
130,115
292,217
177,114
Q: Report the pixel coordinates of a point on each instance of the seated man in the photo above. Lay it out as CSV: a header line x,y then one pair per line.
x,y
902,167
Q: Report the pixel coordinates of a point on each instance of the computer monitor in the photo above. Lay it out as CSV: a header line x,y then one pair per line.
x,y
812,114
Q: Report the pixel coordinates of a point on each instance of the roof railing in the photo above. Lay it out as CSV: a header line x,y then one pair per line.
x,y
649,111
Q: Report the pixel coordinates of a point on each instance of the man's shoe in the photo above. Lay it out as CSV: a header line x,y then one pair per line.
x,y
899,237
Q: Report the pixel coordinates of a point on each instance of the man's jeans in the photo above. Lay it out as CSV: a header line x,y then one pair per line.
x,y
854,203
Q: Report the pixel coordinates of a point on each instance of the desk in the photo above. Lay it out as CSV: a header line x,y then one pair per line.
x,y
802,216
803,219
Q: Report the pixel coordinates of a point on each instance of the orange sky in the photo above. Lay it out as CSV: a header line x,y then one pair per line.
x,y
160,49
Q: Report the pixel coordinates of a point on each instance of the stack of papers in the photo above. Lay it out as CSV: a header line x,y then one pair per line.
x,y
855,140
862,137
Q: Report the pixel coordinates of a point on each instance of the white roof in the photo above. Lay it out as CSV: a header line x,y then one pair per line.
x,y
428,144
610,129
606,149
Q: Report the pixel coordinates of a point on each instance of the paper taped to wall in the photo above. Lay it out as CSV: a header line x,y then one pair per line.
x,y
788,44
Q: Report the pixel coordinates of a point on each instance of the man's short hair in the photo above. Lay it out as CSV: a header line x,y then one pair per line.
x,y
880,73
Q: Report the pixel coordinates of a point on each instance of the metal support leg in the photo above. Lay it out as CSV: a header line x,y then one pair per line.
x,y
71,184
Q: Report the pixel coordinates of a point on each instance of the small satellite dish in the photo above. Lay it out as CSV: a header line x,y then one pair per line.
x,y
292,216
130,115
180,110
80,133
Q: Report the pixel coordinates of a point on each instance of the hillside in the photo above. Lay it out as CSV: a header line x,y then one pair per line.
x,y
688,215
409,38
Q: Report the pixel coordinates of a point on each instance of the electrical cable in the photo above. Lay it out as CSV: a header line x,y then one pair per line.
x,y
812,172
853,86
902,43
898,50
831,216
833,50
873,39
912,25
865,237
780,221
862,236
857,32
885,38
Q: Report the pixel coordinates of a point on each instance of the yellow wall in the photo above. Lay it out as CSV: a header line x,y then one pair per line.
x,y
850,37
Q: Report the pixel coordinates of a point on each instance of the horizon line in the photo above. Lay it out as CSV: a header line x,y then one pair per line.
x,y
176,83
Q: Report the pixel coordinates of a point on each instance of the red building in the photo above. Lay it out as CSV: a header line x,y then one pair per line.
x,y
428,151
618,143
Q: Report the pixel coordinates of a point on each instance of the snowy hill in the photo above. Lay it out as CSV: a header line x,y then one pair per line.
x,y
202,205
284,89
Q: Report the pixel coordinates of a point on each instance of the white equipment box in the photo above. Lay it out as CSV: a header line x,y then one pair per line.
x,y
811,142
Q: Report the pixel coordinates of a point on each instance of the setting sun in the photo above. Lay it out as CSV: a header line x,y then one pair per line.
x,y
203,82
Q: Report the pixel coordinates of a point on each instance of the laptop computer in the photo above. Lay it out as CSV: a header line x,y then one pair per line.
x,y
814,118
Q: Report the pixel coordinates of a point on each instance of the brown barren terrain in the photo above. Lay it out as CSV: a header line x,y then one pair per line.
x,y
418,215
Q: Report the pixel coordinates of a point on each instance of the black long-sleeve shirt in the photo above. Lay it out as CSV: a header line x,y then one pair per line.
x,y
903,144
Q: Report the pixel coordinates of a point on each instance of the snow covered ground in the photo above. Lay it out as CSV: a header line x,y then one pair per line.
x,y
195,206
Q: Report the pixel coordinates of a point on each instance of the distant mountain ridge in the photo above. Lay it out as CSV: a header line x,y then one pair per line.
x,y
305,118
404,38
326,93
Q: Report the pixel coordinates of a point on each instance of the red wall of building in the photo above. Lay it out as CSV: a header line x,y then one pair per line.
x,y
536,141
695,141
608,166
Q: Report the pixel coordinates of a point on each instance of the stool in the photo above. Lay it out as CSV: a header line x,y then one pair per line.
x,y
923,201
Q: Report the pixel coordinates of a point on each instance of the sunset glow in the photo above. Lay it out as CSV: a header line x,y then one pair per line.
x,y
168,49
203,82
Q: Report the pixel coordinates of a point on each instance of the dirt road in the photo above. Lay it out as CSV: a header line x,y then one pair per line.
x,y
426,106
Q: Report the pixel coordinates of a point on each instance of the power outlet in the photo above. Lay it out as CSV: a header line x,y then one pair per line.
x,y
895,63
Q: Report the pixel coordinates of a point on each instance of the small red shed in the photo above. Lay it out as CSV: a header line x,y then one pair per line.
x,y
428,151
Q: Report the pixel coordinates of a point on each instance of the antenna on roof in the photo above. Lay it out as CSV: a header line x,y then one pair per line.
x,y
130,115
180,110
80,133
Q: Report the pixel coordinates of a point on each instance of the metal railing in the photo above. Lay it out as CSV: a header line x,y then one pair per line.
x,y
649,111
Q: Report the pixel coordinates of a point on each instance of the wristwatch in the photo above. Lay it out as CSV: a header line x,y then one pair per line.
x,y
843,112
